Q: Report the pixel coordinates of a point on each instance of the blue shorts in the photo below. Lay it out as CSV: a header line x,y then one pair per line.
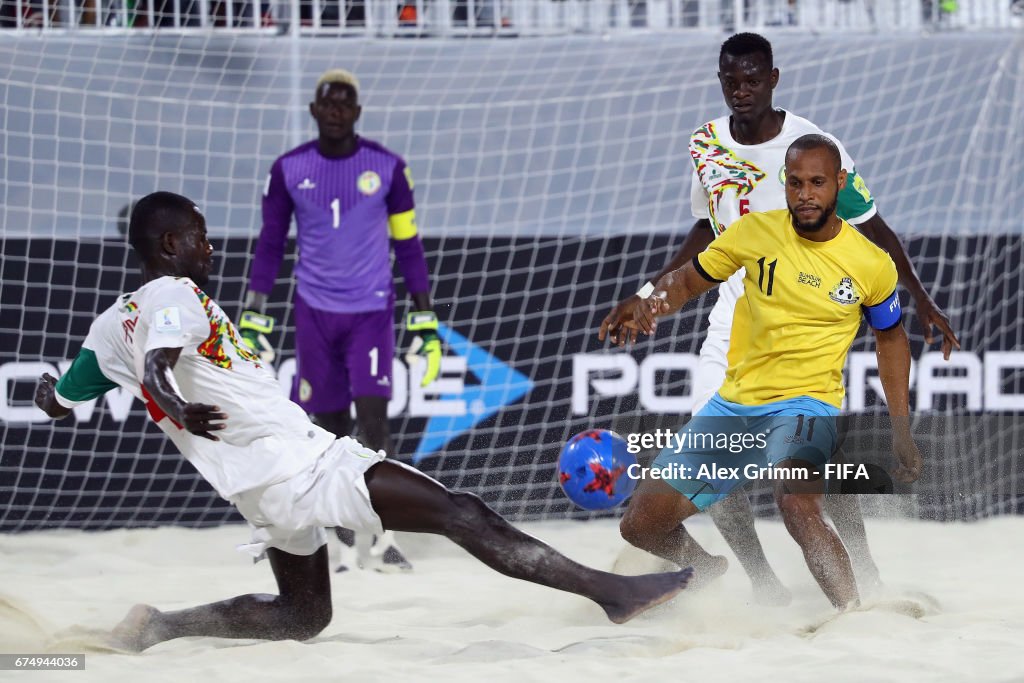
x,y
727,444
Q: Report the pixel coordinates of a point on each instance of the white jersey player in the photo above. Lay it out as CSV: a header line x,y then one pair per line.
x,y
169,344
731,179
737,168
265,439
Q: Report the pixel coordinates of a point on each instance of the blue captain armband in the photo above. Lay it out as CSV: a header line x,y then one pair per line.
x,y
885,315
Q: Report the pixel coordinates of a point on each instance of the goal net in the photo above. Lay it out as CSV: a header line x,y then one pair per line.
x,y
552,178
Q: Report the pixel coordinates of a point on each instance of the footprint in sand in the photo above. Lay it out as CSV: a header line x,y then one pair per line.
x,y
915,605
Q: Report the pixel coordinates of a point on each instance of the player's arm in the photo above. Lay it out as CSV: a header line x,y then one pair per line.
x,y
46,398
82,382
929,315
673,291
158,381
723,257
412,262
893,349
179,321
277,207
696,241
422,320
612,327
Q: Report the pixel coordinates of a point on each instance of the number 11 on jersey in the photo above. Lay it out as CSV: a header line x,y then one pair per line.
x,y
336,213
771,274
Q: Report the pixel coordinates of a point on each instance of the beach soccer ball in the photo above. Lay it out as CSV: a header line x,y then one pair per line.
x,y
593,469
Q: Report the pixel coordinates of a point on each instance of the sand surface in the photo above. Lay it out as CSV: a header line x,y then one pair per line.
x,y
952,610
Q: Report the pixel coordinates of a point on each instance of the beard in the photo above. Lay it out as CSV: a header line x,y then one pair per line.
x,y
816,224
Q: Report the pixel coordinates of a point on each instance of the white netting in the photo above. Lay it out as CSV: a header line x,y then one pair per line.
x,y
441,18
552,178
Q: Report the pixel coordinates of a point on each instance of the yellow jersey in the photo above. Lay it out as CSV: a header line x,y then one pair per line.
x,y
802,306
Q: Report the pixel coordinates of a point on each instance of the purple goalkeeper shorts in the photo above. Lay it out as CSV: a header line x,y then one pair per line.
x,y
341,356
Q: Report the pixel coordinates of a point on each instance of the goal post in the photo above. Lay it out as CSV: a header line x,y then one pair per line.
x,y
552,177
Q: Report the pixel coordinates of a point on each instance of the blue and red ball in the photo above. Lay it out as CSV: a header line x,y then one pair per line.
x,y
593,469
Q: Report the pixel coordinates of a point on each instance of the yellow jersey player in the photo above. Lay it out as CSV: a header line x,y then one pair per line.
x,y
809,278
737,169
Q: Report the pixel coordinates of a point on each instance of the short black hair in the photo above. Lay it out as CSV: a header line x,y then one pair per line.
x,y
743,44
817,141
155,214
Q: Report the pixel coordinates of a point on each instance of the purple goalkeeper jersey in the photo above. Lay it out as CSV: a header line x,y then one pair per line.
x,y
341,208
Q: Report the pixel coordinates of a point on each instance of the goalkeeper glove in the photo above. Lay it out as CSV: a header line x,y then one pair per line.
x,y
427,344
253,330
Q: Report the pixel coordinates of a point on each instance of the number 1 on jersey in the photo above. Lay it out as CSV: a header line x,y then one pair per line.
x,y
336,213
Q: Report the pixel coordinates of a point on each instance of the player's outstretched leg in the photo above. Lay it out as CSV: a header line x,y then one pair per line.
x,y
824,553
408,500
844,509
300,611
653,522
734,518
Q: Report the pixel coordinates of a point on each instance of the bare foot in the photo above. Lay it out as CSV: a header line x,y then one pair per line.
x,y
136,632
641,593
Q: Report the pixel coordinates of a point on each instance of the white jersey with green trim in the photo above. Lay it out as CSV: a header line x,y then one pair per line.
x,y
731,180
267,438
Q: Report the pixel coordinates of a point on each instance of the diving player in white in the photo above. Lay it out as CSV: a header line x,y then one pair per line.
x,y
739,165
171,345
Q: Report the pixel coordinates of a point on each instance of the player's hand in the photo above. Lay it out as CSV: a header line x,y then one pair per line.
x,y
202,419
46,397
646,312
614,325
253,329
426,345
930,316
907,454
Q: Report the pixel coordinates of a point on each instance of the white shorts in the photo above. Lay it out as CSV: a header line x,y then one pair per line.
x,y
711,366
714,351
291,515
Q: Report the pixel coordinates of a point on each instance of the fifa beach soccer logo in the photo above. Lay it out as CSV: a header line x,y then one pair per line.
x,y
500,385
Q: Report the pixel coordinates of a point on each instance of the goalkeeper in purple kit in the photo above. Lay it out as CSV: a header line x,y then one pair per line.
x,y
352,200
